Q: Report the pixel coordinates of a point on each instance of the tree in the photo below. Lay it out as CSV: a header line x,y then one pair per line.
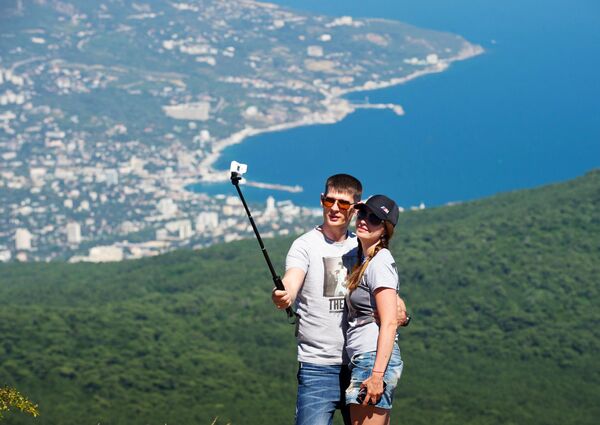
x,y
9,397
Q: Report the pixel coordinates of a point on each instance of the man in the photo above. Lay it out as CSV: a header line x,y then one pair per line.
x,y
315,265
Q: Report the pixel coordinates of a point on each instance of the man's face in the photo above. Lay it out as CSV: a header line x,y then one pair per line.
x,y
335,216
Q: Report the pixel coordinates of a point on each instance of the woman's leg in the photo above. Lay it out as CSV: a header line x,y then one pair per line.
x,y
369,415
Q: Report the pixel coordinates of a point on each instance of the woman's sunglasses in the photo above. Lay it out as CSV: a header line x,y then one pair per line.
x,y
363,214
328,202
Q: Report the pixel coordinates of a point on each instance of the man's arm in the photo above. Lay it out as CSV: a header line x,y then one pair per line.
x,y
292,280
401,314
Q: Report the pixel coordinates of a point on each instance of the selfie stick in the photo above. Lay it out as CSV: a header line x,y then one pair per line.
x,y
236,176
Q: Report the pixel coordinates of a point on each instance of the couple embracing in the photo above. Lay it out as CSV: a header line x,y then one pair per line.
x,y
344,287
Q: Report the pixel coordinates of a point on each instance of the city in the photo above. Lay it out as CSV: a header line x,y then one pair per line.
x,y
110,112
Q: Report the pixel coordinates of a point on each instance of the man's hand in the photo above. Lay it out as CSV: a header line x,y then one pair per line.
x,y
281,299
402,318
292,281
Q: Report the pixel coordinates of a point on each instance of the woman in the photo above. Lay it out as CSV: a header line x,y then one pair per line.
x,y
375,361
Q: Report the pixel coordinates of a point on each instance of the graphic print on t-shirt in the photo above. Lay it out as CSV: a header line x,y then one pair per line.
x,y
396,271
336,271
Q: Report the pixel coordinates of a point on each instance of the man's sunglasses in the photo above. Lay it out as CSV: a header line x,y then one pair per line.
x,y
363,214
328,202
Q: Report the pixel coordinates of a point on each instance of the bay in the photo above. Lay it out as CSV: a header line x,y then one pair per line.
x,y
525,113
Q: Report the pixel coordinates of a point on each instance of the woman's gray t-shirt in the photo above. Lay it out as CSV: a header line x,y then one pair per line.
x,y
363,331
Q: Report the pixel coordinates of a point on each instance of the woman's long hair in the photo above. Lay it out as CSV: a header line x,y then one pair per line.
x,y
359,269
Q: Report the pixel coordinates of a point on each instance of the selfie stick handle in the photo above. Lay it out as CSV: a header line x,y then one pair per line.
x,y
235,180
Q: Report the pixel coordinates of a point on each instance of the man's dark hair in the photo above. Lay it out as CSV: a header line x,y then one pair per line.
x,y
344,183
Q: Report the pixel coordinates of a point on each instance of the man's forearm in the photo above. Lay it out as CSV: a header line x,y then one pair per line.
x,y
293,280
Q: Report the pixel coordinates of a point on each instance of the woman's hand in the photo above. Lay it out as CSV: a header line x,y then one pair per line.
x,y
374,386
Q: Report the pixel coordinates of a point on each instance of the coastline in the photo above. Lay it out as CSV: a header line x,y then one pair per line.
x,y
336,109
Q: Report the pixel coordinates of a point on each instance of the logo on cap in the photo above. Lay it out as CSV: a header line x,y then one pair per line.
x,y
385,209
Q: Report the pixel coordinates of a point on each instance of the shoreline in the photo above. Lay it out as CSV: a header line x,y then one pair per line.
x,y
336,109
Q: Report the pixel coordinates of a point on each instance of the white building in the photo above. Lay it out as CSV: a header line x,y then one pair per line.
x,y
111,177
288,210
137,165
4,255
103,254
204,136
84,206
231,236
185,229
23,240
162,234
343,20
167,207
314,51
128,227
198,111
228,210
185,161
233,207
74,233
233,201
207,220
37,175
64,174
432,59
270,209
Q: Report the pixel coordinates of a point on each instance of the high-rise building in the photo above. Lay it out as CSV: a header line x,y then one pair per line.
x,y
185,229
270,209
74,233
23,240
207,220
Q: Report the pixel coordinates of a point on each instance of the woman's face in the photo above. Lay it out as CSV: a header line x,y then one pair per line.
x,y
369,227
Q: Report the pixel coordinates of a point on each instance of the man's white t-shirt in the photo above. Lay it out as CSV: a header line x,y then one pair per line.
x,y
321,323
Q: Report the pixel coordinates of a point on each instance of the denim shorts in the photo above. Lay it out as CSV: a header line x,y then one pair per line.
x,y
361,366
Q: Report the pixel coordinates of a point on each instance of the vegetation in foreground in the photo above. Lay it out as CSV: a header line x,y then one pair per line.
x,y
10,398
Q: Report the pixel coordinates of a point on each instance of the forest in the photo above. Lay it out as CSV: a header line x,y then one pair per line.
x,y
503,293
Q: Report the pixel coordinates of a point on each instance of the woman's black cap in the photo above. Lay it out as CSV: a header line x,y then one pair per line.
x,y
383,207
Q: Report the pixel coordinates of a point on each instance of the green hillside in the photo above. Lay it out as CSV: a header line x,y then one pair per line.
x,y
503,291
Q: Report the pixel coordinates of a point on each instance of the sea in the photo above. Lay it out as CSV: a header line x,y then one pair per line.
x,y
524,114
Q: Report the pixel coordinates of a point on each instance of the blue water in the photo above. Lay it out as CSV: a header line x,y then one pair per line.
x,y
524,114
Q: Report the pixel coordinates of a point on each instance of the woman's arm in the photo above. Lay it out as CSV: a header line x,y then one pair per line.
x,y
386,301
